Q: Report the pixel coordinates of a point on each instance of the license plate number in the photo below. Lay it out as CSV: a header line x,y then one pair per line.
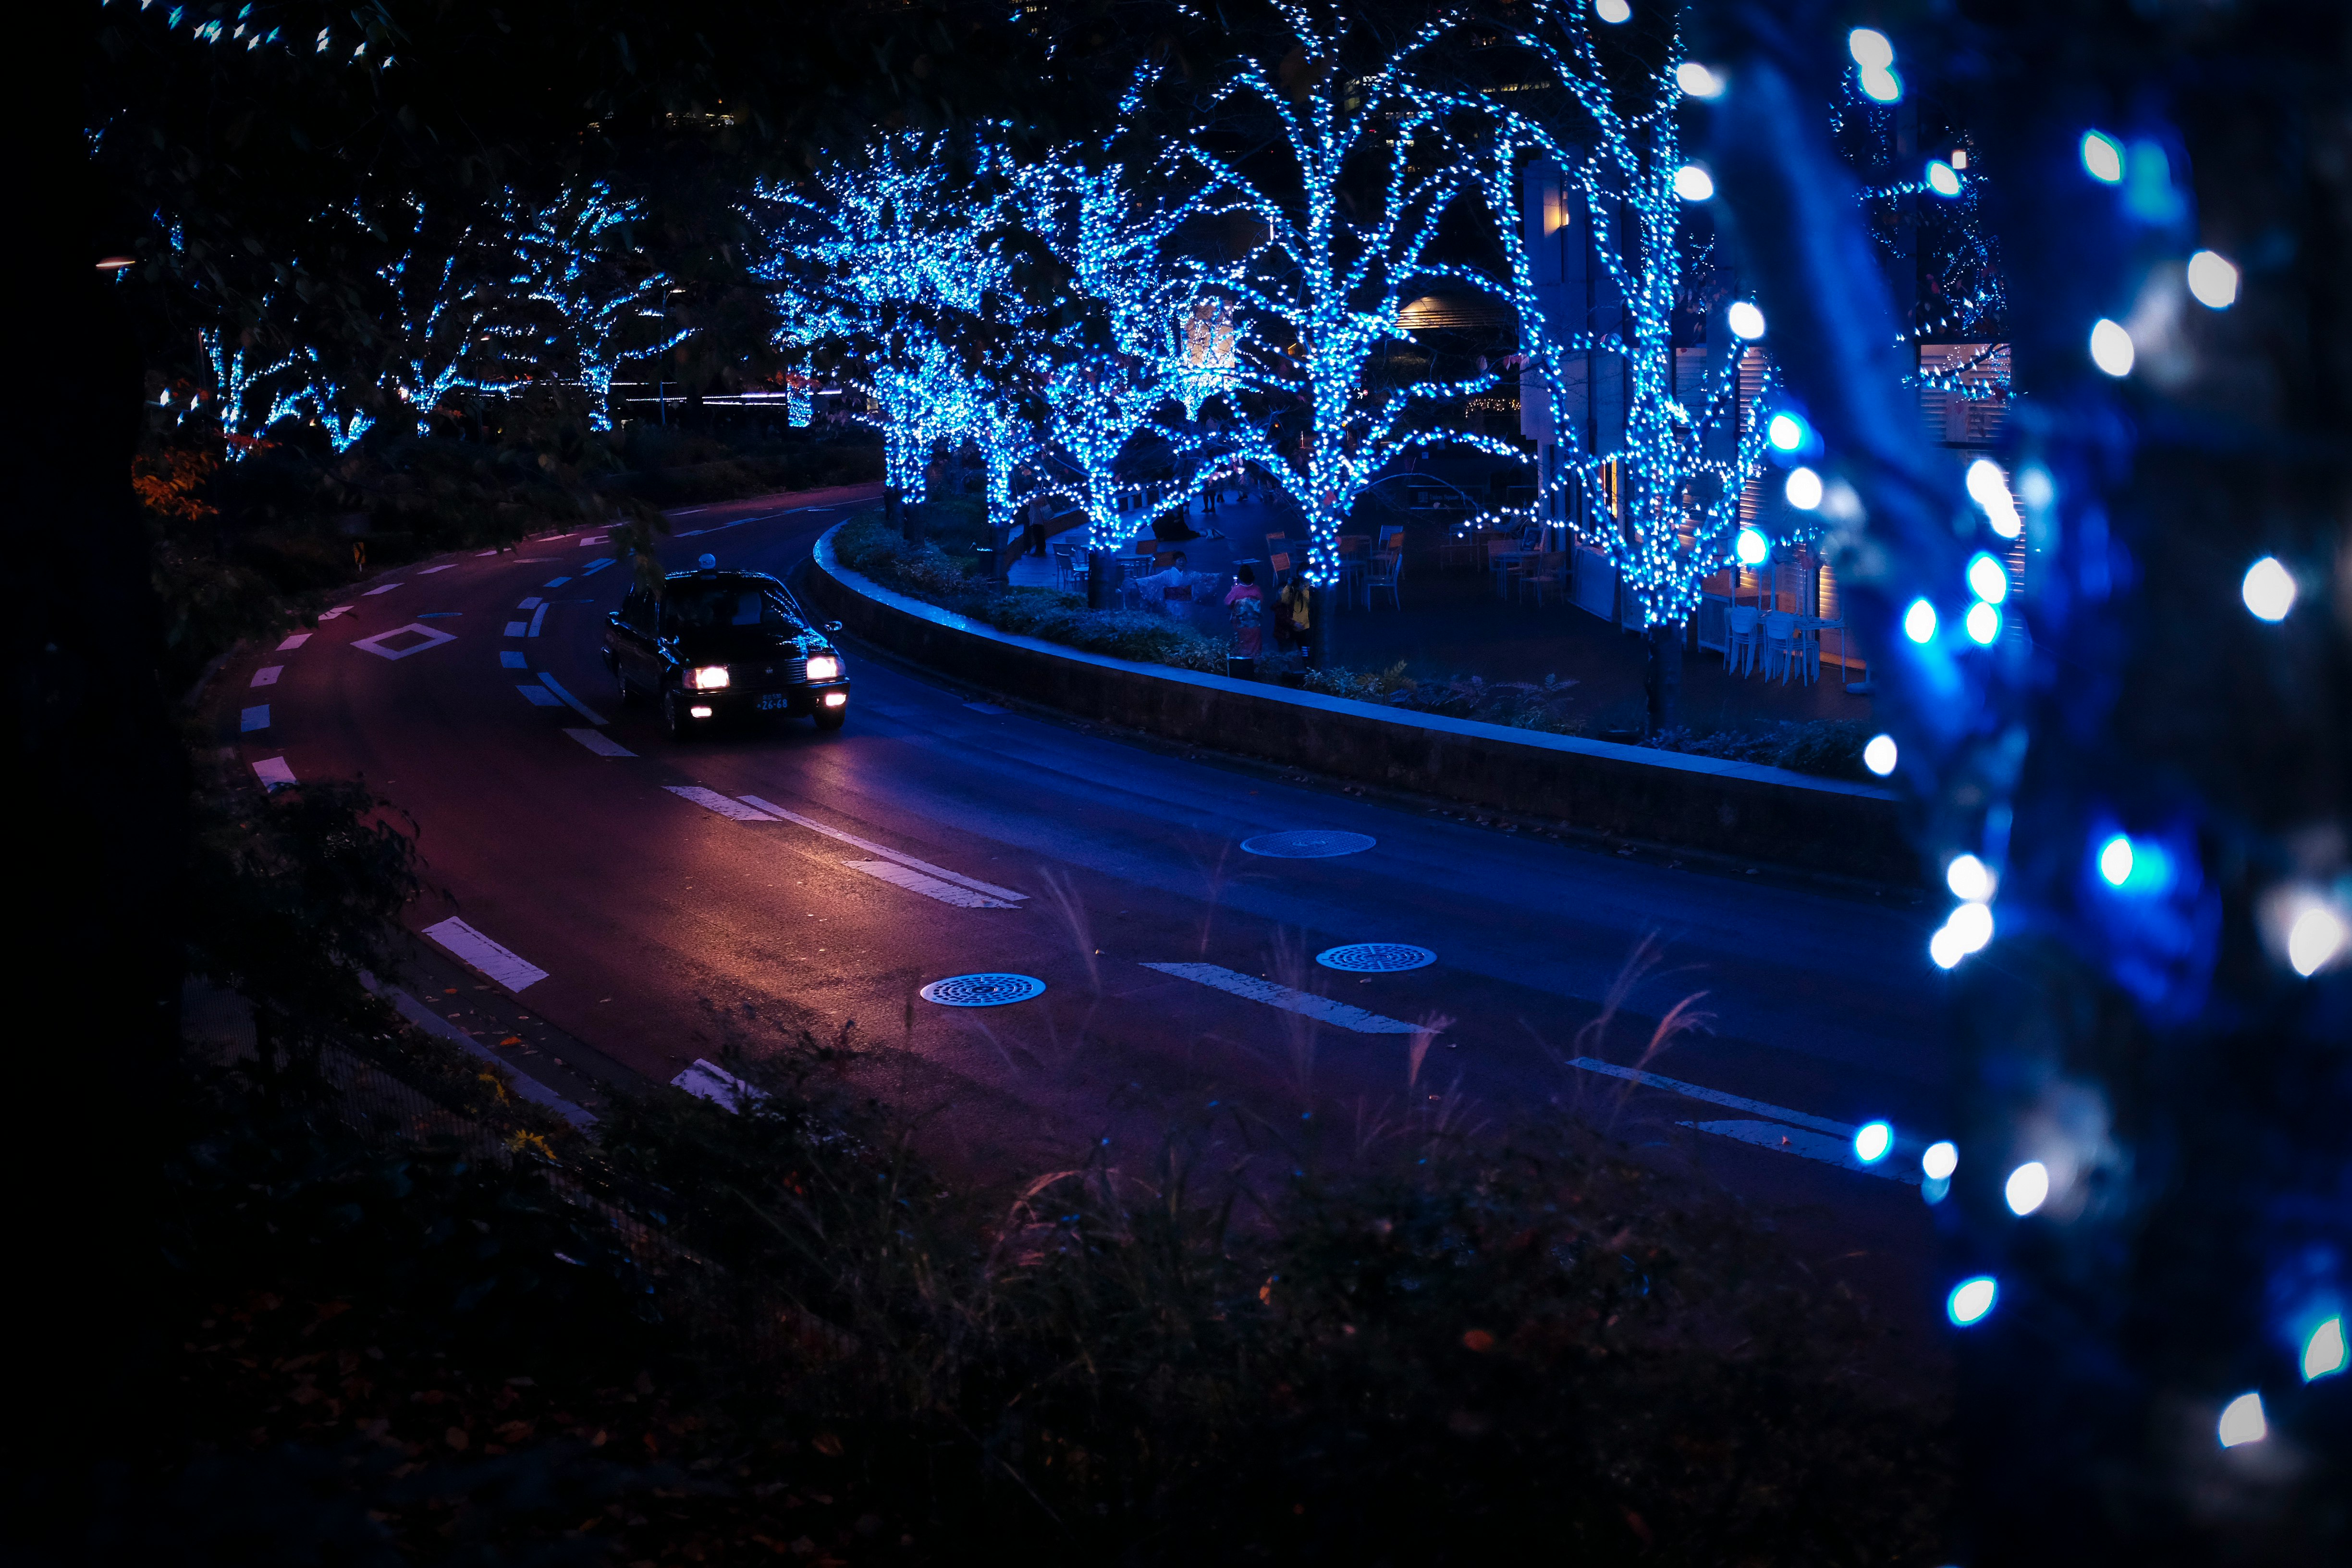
x,y
772,700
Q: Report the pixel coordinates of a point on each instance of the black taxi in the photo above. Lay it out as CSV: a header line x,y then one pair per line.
x,y
713,645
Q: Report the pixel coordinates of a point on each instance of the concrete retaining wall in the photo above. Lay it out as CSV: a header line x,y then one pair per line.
x,y
1632,792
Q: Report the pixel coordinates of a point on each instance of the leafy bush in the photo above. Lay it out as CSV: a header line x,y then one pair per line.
x,y
1829,747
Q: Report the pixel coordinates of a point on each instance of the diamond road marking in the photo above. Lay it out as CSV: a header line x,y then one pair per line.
x,y
297,640
1305,1003
254,718
376,644
269,675
273,773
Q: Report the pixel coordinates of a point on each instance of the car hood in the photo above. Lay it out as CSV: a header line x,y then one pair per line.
x,y
723,645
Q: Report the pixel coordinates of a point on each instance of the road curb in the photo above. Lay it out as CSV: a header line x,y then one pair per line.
x,y
1739,809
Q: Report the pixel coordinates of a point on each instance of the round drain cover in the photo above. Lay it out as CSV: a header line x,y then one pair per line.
x,y
1307,844
982,990
1376,957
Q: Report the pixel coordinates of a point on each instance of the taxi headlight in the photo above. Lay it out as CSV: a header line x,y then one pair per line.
x,y
709,677
823,667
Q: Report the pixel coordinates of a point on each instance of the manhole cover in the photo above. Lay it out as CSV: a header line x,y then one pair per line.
x,y
1307,844
1376,957
982,990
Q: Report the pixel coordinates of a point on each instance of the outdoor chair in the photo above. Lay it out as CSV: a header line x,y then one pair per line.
x,y
1546,570
1741,650
1779,644
1351,566
1065,570
1459,548
1388,569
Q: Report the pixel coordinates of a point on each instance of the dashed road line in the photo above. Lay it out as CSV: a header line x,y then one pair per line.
x,y
540,697
511,658
571,701
599,566
273,773
914,881
706,1080
590,543
517,628
531,603
428,571
337,613
1305,1003
514,972
267,675
711,800
883,850
1716,1097
1806,1145
371,593
555,581
537,616
297,640
253,718
986,707
599,744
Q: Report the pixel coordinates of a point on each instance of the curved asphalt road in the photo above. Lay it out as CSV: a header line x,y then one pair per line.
x,y
668,931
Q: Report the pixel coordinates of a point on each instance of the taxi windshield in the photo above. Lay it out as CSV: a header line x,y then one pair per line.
x,y
702,607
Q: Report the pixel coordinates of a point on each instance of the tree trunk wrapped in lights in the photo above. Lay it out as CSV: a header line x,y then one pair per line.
x,y
576,259
2140,805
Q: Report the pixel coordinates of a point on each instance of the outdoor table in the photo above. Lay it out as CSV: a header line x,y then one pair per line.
x,y
1816,626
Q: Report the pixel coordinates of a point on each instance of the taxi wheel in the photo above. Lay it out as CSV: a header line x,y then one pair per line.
x,y
674,719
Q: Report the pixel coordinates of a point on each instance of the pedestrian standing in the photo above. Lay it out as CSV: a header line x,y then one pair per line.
x,y
1249,607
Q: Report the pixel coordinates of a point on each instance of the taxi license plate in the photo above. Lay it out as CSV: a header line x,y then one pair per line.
x,y
772,700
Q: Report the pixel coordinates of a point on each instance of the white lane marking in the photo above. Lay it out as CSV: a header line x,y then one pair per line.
x,y
1282,996
434,638
268,676
592,541
693,533
599,744
591,570
900,855
537,616
540,697
340,610
509,658
297,640
479,553
986,707
273,773
711,800
555,581
513,973
254,718
708,1080
528,1088
914,881
1716,1097
428,571
517,628
1811,1146
531,603
371,593
571,701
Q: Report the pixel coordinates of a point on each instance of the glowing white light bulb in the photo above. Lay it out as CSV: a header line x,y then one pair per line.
x,y
1989,487
1694,183
1988,579
2323,1353
1880,85
2103,157
1945,948
1880,755
1970,1300
2242,1421
2317,936
2213,280
1942,178
1970,879
1872,1140
1751,547
1786,432
2268,590
1804,488
1919,621
1616,13
1871,50
2115,860
2111,348
1983,624
1971,926
1697,81
2028,1187
1745,320
1939,1161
